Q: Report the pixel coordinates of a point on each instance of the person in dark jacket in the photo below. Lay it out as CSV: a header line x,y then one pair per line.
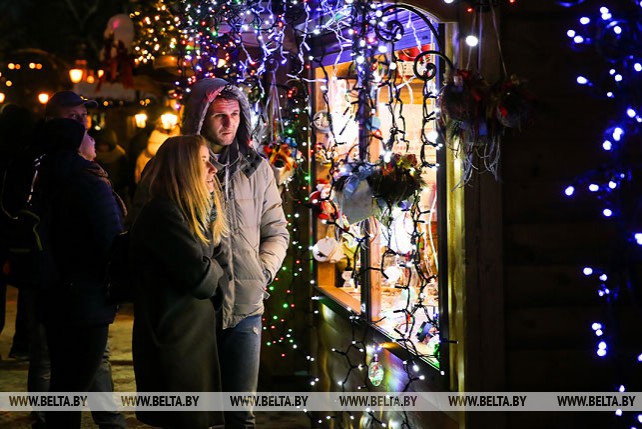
x,y
173,245
80,216
63,104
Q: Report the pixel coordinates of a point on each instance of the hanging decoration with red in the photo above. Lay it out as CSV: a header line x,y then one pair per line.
x,y
474,114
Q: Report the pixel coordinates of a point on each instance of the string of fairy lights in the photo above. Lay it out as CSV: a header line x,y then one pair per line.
x,y
260,44
613,33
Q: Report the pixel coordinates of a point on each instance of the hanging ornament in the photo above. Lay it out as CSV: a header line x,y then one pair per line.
x,y
353,194
514,103
396,180
462,103
321,121
328,250
375,371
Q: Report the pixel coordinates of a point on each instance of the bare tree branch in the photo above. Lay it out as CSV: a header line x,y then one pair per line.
x,y
91,9
82,20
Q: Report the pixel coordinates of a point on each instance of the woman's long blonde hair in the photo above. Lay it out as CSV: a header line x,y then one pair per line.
x,y
176,173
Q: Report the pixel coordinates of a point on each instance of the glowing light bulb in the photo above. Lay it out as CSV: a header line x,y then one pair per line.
x,y
472,41
607,212
570,190
582,80
607,145
617,134
43,97
585,20
587,271
593,187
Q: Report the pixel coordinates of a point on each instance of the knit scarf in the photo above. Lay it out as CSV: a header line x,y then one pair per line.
x,y
96,170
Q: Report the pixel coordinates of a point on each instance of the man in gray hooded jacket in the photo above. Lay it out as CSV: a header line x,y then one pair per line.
x,y
254,250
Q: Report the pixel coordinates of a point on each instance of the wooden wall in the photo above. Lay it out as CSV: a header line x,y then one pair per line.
x,y
549,306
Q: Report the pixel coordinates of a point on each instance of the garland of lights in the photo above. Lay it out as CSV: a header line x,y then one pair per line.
x,y
287,285
615,35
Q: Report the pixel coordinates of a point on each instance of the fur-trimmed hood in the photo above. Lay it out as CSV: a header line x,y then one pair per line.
x,y
203,93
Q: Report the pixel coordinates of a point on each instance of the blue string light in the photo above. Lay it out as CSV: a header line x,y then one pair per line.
x,y
616,34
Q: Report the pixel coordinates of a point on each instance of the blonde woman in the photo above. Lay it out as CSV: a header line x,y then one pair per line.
x,y
172,244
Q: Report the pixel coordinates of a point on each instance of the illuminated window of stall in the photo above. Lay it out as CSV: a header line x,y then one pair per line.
x,y
376,242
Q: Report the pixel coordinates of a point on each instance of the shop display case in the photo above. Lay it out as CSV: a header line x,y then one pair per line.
x,y
378,177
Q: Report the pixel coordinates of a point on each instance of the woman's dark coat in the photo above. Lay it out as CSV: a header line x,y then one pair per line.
x,y
174,339
80,217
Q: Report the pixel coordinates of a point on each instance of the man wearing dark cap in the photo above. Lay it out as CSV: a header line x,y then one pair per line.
x,y
68,104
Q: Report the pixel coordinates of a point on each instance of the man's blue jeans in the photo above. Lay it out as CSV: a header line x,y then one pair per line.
x,y
239,350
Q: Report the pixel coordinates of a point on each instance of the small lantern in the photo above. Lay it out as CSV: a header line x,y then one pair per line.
x,y
79,71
